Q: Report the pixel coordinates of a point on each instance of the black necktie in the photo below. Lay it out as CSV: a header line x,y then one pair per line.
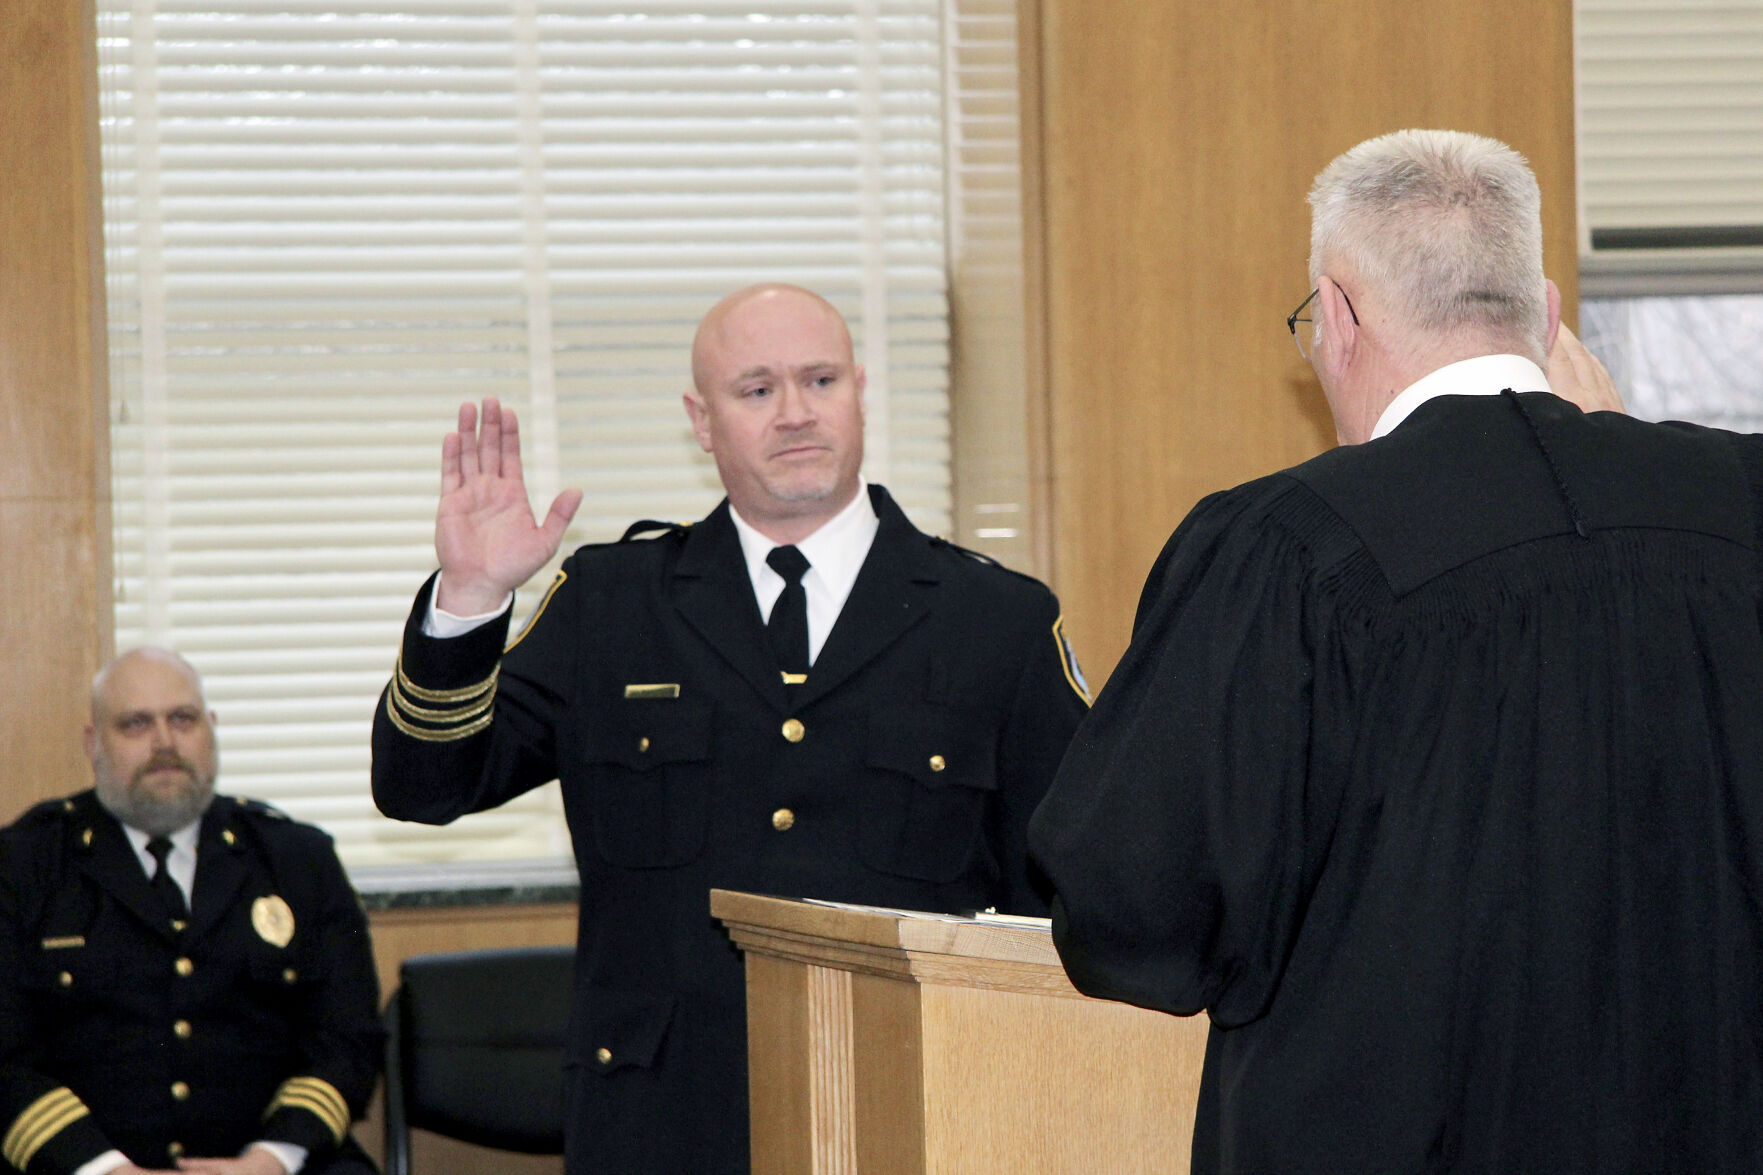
x,y
163,885
788,627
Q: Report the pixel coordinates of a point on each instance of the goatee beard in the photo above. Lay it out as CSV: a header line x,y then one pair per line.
x,y
156,814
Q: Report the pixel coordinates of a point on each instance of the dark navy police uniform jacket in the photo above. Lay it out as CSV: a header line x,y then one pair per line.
x,y
901,773
258,1020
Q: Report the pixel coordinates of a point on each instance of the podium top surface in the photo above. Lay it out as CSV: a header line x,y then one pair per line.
x,y
904,944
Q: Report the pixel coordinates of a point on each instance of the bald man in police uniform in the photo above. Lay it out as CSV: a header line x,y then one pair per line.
x,y
890,755
185,978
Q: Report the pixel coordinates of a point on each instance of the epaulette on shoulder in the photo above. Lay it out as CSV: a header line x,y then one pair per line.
x,y
646,526
983,558
978,556
260,808
47,811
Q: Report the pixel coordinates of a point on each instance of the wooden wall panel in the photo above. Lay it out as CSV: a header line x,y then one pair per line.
x,y
55,612
1177,142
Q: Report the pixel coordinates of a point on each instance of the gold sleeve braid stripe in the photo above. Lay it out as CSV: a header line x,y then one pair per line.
x,y
434,736
462,694
41,1121
467,711
456,716
315,1096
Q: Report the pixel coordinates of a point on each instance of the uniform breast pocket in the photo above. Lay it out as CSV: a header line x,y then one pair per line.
x,y
283,982
932,773
648,777
291,973
74,970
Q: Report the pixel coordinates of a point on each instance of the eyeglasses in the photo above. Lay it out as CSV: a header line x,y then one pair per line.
x,y
1307,340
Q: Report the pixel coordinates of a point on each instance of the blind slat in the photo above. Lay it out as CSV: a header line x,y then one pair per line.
x,y
323,233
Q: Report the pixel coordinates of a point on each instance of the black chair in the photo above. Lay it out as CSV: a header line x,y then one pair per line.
x,y
474,1050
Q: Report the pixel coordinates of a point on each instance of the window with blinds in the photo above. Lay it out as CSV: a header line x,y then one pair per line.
x,y
1670,145
329,221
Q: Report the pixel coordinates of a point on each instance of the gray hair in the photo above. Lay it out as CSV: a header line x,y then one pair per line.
x,y
1446,226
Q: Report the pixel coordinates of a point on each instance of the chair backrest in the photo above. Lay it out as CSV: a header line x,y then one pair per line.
x,y
474,1050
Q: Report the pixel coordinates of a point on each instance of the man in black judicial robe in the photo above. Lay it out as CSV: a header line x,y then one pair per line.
x,y
1434,772
896,765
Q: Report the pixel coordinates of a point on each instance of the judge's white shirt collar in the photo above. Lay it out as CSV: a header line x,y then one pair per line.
x,y
1485,375
835,555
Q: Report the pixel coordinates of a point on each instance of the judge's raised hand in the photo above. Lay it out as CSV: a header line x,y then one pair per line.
x,y
485,535
1576,375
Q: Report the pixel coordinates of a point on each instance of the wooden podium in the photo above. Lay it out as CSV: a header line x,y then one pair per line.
x,y
884,1042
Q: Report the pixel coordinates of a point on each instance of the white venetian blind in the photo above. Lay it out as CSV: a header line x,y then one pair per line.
x,y
329,222
1670,144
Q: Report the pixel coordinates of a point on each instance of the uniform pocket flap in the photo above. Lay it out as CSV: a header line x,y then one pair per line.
x,y
284,968
935,745
624,1030
645,733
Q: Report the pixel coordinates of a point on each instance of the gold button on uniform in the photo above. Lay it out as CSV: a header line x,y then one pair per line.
x,y
180,1091
794,730
184,967
937,763
783,819
181,1029
643,745
65,979
604,1056
175,1150
289,975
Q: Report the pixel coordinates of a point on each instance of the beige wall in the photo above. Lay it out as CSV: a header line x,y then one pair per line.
x,y
1177,141
55,625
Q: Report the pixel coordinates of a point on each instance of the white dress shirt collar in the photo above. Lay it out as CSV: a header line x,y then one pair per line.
x,y
835,555
180,862
1485,375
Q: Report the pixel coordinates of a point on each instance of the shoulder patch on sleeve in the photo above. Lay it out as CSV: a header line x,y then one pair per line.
x,y
1068,661
544,602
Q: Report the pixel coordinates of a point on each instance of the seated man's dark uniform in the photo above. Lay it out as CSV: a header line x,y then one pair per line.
x,y
257,1021
902,772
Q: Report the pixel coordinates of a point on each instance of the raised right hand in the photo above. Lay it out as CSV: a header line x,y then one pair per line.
x,y
485,535
1577,375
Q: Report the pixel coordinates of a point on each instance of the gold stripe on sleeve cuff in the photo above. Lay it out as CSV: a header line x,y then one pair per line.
x,y
466,711
317,1097
41,1121
457,715
464,693
434,736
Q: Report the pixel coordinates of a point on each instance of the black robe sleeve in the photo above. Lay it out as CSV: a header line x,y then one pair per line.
x,y
1176,833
